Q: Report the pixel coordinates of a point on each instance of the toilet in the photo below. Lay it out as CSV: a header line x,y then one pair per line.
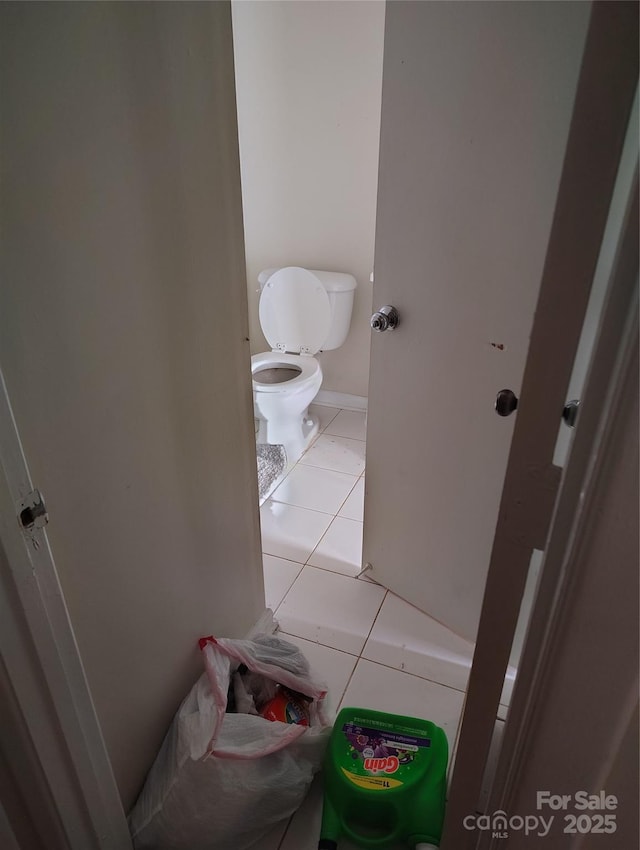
x,y
301,312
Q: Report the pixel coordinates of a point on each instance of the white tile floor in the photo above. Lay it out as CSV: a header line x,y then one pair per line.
x,y
370,647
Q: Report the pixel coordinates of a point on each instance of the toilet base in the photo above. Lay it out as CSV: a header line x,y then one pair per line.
x,y
294,436
310,429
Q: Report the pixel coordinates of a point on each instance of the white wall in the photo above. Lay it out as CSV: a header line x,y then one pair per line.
x,y
309,80
123,340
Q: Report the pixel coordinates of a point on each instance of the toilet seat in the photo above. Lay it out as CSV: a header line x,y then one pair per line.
x,y
309,368
294,311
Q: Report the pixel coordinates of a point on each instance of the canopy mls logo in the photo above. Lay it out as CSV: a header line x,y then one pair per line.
x,y
591,813
499,824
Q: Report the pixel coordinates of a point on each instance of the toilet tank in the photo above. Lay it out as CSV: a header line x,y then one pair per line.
x,y
341,289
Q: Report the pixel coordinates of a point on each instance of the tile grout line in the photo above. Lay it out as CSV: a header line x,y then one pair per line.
x,y
346,687
281,557
344,436
330,468
326,469
315,510
326,433
375,619
362,649
335,516
347,497
337,409
323,645
288,590
329,570
408,673
311,554
379,663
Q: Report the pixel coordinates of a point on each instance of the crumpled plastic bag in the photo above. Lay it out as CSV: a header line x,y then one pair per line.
x,y
222,780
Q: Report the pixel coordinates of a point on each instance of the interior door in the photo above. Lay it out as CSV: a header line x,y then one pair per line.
x,y
123,337
476,108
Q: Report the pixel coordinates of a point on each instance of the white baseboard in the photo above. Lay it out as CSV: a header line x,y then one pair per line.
x,y
345,401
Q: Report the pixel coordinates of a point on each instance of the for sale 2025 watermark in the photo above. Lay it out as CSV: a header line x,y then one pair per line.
x,y
581,812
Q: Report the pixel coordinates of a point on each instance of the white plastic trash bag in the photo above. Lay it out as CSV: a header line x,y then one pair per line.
x,y
221,780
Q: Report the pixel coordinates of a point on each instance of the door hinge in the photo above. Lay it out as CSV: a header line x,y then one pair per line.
x,y
32,511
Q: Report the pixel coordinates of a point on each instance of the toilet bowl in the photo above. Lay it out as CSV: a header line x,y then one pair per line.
x,y
301,313
284,385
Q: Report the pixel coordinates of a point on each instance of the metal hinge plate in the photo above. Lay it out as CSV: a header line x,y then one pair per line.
x,y
32,511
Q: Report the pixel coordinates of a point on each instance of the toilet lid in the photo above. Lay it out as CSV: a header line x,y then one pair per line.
x,y
295,314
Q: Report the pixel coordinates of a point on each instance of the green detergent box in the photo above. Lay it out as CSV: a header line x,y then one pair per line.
x,y
384,781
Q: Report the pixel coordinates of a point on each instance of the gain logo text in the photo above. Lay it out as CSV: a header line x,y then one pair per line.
x,y
388,764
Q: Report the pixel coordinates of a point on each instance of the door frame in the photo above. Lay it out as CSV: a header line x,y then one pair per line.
x,y
71,780
576,517
606,88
